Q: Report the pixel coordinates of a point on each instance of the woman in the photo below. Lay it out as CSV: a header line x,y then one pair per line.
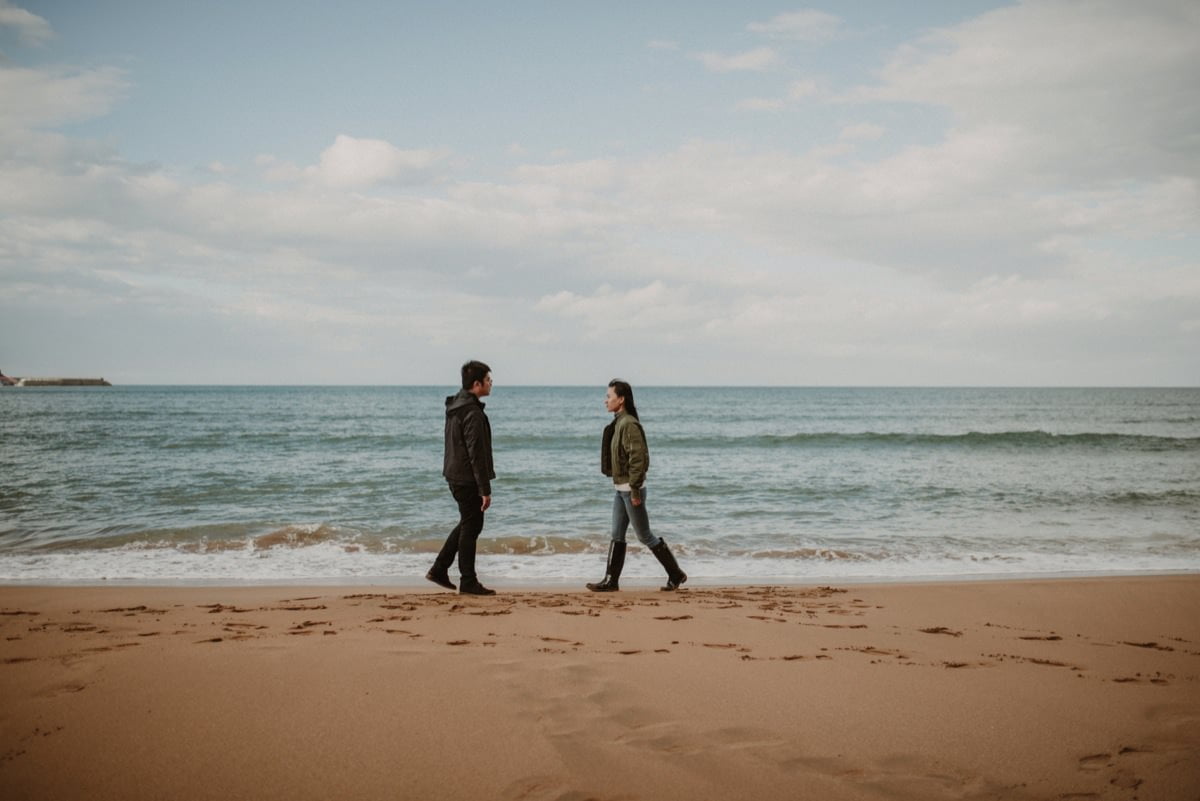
x,y
625,458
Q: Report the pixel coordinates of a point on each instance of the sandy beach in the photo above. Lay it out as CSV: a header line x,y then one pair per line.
x,y
1041,689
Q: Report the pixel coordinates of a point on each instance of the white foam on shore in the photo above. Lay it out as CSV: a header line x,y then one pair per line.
x,y
329,563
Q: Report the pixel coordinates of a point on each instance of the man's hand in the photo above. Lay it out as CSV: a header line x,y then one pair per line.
x,y
487,501
636,501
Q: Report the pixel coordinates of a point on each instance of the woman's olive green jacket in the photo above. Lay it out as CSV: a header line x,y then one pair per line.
x,y
624,454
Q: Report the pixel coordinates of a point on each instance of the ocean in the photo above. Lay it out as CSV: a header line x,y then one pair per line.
x,y
312,485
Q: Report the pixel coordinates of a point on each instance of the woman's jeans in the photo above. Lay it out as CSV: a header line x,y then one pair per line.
x,y
625,512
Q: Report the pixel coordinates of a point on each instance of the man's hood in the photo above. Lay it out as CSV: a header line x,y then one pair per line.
x,y
463,398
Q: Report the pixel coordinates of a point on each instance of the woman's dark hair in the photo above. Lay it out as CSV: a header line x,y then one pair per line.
x,y
622,390
474,371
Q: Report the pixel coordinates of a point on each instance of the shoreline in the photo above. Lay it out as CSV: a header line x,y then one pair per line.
x,y
636,583
1084,688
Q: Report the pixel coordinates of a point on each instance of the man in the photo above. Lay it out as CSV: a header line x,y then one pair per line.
x,y
469,472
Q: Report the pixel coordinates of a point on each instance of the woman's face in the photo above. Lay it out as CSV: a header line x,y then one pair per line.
x,y
613,402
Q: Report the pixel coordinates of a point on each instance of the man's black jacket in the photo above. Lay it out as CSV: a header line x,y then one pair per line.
x,y
468,443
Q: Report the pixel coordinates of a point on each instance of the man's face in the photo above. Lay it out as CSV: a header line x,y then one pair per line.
x,y
483,388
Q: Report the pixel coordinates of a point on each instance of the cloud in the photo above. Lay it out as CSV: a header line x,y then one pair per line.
x,y
1017,243
798,92
802,89
358,163
667,313
1100,92
808,25
761,104
862,132
757,60
30,27
44,98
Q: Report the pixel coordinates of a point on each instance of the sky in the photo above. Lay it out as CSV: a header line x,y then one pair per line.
x,y
943,193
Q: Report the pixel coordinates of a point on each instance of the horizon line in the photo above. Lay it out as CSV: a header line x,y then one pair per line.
x,y
657,386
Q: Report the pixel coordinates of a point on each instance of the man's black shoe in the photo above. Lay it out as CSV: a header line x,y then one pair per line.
x,y
440,579
474,588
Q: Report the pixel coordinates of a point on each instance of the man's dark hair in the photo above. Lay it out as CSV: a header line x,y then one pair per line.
x,y
622,390
474,371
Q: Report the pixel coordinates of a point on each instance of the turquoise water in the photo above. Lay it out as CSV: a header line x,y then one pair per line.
x,y
748,484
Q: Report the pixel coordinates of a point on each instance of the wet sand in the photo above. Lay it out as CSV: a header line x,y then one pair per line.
x,y
1046,689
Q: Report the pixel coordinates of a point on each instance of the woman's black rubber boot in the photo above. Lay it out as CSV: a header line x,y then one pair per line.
x,y
616,561
675,576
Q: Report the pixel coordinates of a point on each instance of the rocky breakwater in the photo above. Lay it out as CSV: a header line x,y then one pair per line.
x,y
61,382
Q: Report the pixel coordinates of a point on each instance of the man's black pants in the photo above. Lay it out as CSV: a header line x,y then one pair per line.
x,y
462,538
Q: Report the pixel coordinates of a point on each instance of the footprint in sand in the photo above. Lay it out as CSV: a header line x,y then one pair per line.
x,y
1125,780
1121,776
941,630
1138,678
61,689
131,611
308,626
1151,645
538,788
